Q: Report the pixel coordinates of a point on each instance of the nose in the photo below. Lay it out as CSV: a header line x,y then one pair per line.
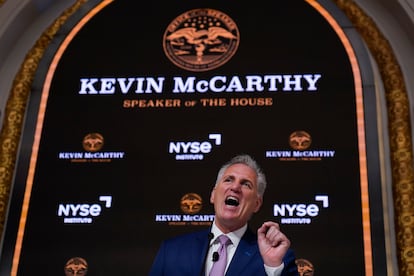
x,y
236,186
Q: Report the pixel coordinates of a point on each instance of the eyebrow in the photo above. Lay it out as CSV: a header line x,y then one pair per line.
x,y
243,180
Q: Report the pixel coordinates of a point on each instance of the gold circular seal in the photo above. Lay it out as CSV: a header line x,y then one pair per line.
x,y
93,142
300,140
76,266
201,40
191,203
305,267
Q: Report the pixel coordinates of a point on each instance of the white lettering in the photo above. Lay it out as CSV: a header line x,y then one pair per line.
x,y
125,87
295,221
111,85
216,84
87,86
213,83
79,209
167,217
273,81
278,153
234,85
189,157
299,210
180,87
193,147
107,86
312,79
288,82
254,83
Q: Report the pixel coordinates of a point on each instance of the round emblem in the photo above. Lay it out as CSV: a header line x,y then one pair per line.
x,y
300,140
191,203
305,267
93,142
201,40
76,266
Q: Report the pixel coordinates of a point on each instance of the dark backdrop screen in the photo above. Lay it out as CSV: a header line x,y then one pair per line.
x,y
142,106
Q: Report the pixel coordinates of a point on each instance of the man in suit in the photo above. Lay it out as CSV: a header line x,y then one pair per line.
x,y
237,195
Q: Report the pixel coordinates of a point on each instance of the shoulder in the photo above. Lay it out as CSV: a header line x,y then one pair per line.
x,y
250,236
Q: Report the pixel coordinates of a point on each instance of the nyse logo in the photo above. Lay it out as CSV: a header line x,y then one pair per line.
x,y
194,150
83,213
301,213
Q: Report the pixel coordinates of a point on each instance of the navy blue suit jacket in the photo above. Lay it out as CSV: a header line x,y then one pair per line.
x,y
185,256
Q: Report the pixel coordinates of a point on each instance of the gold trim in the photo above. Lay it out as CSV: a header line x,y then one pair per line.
x,y
16,107
399,131
39,127
366,222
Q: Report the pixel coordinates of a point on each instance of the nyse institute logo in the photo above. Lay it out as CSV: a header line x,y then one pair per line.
x,y
201,40
92,144
83,213
192,149
300,142
301,212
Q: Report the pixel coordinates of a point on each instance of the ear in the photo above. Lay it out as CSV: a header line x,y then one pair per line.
x,y
259,202
212,195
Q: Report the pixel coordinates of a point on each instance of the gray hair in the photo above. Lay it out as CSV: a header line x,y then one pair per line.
x,y
250,162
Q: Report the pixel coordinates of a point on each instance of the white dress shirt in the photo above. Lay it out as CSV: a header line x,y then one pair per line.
x,y
235,238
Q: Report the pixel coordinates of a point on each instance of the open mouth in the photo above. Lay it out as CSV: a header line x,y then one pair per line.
x,y
232,201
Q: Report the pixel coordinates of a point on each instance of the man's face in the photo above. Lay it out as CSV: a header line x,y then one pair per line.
x,y
235,197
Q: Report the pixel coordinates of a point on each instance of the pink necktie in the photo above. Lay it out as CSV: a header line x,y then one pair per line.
x,y
219,266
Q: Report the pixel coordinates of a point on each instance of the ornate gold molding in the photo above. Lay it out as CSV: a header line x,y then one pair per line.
x,y
399,131
16,106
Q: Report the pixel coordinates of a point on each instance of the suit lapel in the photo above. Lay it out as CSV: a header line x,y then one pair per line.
x,y
245,252
199,252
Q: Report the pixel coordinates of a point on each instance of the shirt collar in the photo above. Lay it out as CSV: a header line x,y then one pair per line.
x,y
234,236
